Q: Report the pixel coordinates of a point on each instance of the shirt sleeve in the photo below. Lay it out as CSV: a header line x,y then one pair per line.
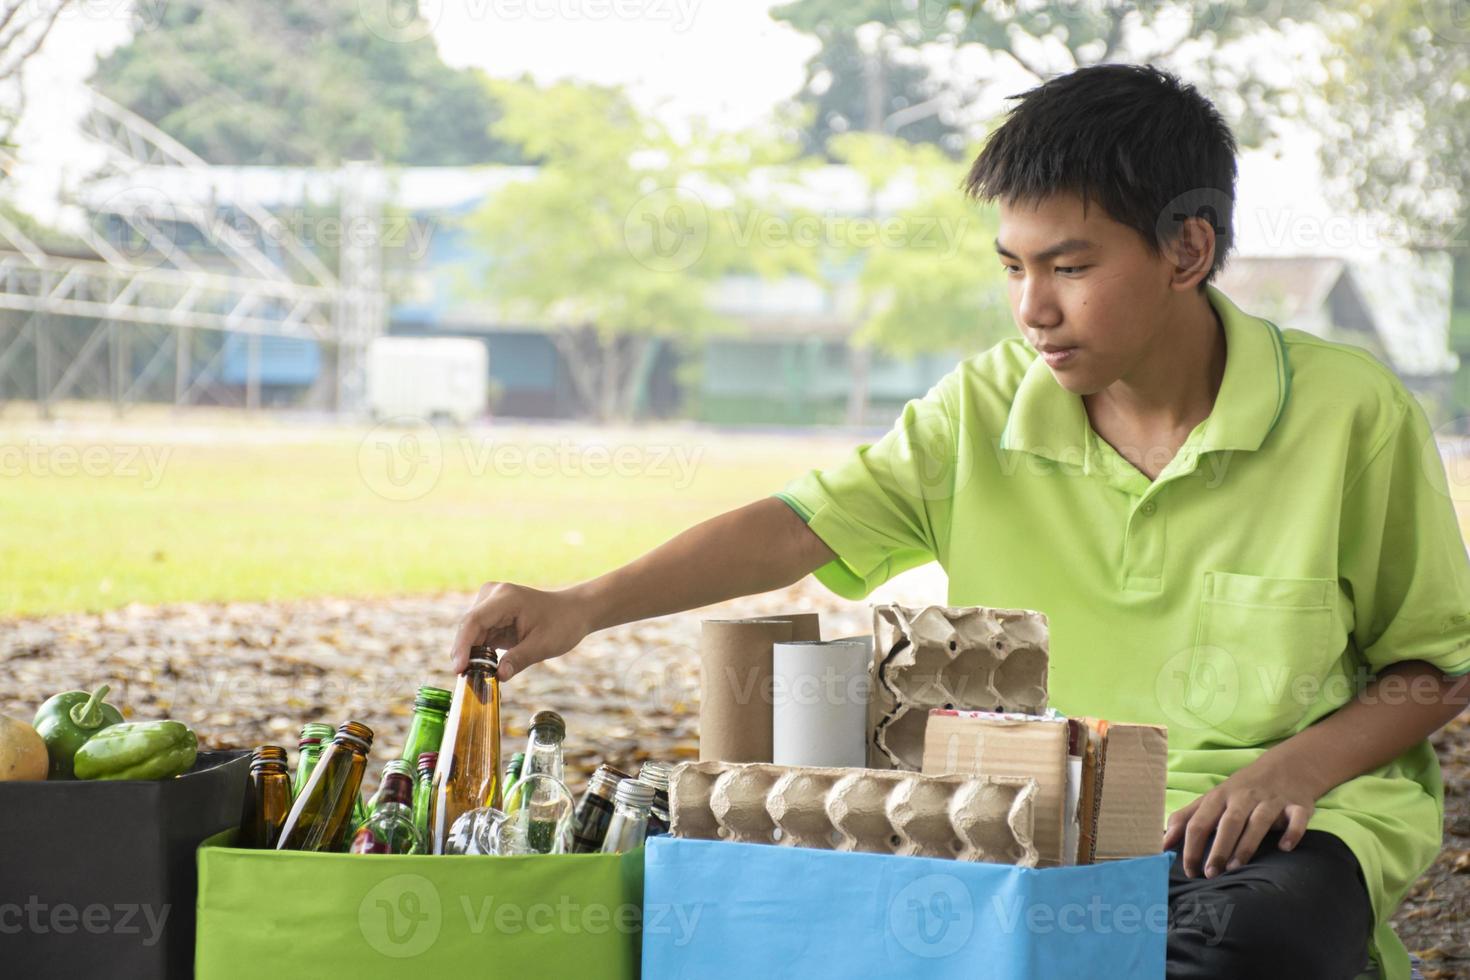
x,y
1403,553
886,507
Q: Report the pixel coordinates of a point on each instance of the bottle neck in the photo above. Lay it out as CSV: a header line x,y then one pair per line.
x,y
544,755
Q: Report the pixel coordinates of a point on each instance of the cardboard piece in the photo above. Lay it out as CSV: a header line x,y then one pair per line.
x,y
735,683
1130,808
876,811
965,658
987,743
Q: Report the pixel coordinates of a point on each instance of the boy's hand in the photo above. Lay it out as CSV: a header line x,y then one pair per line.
x,y
531,625
1240,812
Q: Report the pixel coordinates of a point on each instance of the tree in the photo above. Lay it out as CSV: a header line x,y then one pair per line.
x,y
24,27
620,233
933,282
300,82
1395,125
848,88
1046,37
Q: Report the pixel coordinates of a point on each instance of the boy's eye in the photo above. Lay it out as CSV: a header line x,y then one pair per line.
x,y
1068,270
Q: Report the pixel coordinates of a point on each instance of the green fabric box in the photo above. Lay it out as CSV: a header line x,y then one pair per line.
x,y
286,914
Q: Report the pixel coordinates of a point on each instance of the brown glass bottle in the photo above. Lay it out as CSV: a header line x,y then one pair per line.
x,y
467,775
267,798
320,816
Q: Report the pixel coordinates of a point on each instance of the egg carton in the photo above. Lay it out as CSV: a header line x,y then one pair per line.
x,y
969,818
966,658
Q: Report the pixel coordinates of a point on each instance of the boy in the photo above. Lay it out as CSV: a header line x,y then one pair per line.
x,y
1242,533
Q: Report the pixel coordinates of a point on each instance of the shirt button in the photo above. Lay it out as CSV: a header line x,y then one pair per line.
x,y
1149,507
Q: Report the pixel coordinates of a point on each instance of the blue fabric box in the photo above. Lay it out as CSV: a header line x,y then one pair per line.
x,y
717,909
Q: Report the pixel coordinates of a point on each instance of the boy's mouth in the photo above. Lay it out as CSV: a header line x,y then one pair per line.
x,y
1056,356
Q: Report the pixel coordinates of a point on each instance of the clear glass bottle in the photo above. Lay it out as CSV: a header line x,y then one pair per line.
x,y
315,737
539,816
656,774
423,791
467,775
629,825
319,818
390,829
544,746
589,827
267,798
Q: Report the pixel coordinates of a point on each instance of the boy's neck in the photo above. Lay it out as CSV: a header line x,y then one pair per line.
x,y
1173,387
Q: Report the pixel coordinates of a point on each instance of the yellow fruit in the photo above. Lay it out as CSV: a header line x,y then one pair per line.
x,y
22,753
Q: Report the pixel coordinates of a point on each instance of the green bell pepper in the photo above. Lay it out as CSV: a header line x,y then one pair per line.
x,y
138,750
66,721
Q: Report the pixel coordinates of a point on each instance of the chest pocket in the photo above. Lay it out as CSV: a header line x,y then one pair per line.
x,y
1263,648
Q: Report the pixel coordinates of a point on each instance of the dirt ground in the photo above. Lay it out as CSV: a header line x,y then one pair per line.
x,y
246,674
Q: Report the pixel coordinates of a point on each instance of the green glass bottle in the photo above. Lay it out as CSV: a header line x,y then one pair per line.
x,y
314,738
425,732
423,792
267,798
513,771
430,709
319,818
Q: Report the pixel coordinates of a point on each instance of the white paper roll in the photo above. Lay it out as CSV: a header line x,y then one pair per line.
x,y
820,694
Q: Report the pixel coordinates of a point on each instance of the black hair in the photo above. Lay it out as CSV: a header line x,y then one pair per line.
x,y
1150,149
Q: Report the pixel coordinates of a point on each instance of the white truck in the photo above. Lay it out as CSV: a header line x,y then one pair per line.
x,y
430,378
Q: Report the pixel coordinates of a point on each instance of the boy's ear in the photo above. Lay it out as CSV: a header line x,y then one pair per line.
x,y
1191,254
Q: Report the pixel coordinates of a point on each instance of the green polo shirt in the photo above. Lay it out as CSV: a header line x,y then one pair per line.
x,y
1302,538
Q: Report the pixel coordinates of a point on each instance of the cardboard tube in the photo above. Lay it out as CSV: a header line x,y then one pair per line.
x,y
735,683
820,710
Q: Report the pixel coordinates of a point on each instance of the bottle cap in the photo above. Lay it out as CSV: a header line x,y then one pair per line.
x,y
426,763
632,792
655,774
550,723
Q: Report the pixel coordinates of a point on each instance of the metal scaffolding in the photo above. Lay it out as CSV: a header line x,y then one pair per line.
x,y
160,283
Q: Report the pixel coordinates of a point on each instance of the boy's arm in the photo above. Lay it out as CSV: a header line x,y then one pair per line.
x,y
756,548
1405,704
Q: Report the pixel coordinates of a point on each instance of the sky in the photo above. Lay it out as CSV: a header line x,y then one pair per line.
x,y
725,61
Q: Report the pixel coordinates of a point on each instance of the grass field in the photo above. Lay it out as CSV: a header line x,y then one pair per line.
x,y
99,514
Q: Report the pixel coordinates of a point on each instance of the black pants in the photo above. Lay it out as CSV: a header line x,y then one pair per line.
x,y
1301,913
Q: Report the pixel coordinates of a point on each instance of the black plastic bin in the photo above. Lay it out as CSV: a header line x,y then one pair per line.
x,y
97,878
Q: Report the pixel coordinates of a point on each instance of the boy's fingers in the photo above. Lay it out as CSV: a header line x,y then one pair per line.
x,y
1250,839
1197,831
1296,826
1175,831
1227,834
518,658
488,615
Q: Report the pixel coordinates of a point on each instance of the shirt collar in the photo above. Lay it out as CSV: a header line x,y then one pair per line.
x,y
1047,420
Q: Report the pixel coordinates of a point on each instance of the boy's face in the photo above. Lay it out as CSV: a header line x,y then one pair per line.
x,y
1086,286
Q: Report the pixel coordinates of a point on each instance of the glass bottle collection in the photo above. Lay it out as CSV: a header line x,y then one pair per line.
x,y
447,792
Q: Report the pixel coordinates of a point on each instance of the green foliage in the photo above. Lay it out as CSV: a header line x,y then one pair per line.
x,y
307,82
1045,37
622,230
